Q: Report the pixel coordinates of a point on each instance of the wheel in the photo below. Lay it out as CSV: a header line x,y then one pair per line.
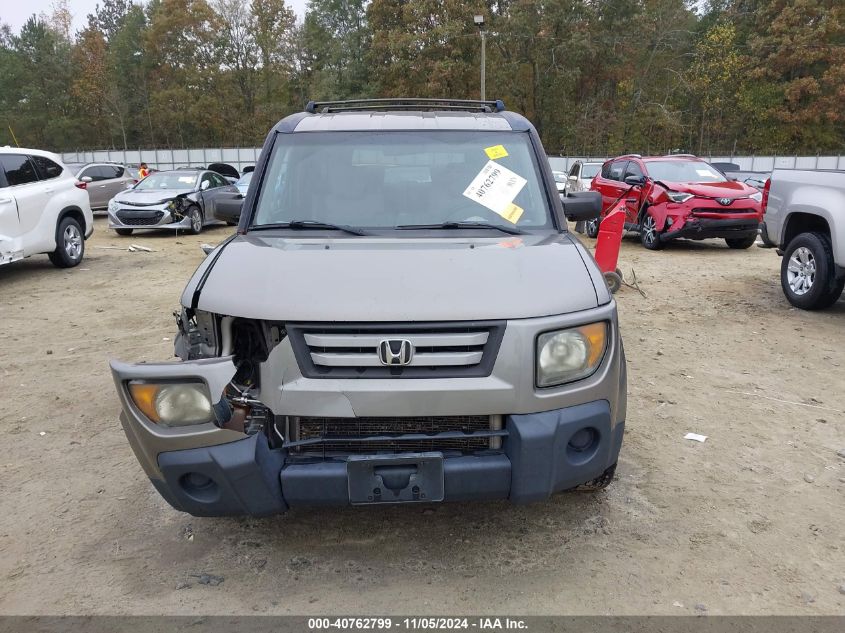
x,y
123,231
70,245
614,281
599,483
593,228
741,242
649,235
195,216
808,273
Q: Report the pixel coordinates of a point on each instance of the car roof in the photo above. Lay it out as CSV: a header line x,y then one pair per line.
x,y
403,115
674,157
409,120
8,149
181,172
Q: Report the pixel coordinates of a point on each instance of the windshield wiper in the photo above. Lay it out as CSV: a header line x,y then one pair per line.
x,y
310,224
510,230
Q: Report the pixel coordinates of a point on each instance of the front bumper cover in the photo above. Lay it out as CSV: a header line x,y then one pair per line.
x,y
703,228
166,221
537,460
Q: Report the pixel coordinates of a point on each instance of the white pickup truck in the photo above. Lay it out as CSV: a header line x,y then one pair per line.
x,y
42,209
805,220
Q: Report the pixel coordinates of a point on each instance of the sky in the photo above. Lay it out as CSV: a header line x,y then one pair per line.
x,y
15,13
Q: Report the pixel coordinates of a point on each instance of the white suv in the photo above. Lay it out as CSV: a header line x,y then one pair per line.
x,y
42,209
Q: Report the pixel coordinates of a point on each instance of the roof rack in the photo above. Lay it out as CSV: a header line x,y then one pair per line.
x,y
359,105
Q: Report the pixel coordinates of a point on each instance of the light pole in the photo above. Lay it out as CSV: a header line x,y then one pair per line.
x,y
479,22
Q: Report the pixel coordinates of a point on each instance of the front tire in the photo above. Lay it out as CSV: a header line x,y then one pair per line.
x,y
195,217
649,235
123,232
70,244
741,242
808,273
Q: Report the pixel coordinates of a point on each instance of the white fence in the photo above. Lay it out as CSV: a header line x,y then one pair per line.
x,y
161,159
241,157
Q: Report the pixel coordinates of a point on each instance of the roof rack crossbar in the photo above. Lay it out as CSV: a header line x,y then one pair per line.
x,y
325,107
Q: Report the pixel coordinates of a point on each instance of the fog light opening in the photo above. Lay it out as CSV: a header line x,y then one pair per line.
x,y
583,445
583,439
199,487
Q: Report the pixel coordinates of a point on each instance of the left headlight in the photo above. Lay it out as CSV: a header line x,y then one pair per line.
x,y
173,404
757,196
677,196
112,205
567,355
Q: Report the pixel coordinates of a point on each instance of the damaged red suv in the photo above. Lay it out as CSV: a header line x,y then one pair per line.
x,y
670,197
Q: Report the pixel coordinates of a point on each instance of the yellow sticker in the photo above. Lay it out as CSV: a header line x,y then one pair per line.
x,y
512,213
497,151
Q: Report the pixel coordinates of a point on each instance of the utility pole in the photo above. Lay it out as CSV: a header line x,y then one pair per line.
x,y
479,22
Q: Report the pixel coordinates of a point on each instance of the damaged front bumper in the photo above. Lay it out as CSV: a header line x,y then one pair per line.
x,y
544,440
705,228
153,217
247,477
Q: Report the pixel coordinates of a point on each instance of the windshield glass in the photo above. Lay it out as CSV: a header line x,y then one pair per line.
x,y
244,180
683,171
589,171
168,180
390,179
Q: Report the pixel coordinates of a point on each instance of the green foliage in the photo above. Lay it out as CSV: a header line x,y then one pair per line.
x,y
595,76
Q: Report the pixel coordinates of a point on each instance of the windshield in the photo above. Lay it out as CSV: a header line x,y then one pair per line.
x,y
589,170
391,179
168,180
683,171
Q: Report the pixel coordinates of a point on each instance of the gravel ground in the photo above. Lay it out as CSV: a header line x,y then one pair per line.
x,y
749,522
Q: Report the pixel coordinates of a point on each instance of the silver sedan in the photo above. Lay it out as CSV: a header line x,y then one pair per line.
x,y
181,199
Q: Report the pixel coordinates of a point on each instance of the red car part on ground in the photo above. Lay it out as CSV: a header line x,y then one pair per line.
x,y
680,197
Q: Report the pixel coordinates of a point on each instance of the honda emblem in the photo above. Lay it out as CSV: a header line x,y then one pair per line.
x,y
395,352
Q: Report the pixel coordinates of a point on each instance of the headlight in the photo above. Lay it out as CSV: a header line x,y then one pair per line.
x,y
173,404
677,196
757,197
568,355
112,205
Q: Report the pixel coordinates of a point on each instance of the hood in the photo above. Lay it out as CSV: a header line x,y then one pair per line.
x,y
152,197
387,279
730,189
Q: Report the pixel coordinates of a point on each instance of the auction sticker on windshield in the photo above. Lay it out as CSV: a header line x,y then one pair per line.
x,y
495,187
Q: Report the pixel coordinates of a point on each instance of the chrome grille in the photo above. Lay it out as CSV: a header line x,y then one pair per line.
x,y
444,349
426,350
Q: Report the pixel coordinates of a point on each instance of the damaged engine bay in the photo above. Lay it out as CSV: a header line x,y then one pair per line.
x,y
244,409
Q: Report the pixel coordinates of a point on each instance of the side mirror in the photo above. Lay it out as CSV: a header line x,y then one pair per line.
x,y
129,185
635,181
86,179
573,178
584,205
205,185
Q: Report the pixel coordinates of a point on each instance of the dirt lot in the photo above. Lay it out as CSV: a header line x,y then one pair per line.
x,y
749,522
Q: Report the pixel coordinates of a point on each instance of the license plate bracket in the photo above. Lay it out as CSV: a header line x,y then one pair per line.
x,y
405,478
